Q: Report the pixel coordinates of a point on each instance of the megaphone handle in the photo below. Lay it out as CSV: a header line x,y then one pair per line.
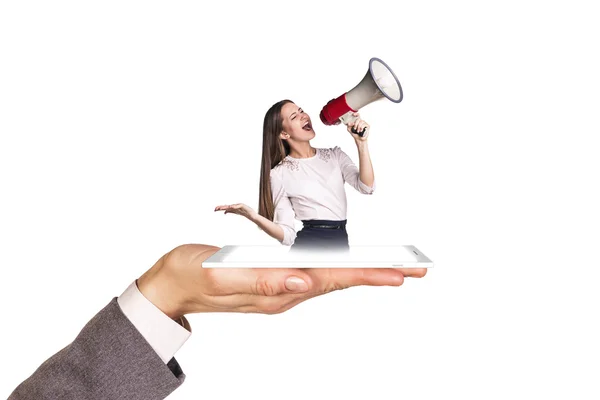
x,y
348,118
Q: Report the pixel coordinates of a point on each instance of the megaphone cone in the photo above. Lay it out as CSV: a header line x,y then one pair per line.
x,y
379,82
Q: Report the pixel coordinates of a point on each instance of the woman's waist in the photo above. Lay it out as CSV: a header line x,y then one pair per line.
x,y
322,212
324,223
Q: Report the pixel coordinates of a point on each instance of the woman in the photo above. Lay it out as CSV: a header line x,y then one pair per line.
x,y
306,183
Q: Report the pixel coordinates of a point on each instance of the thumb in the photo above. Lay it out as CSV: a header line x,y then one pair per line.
x,y
296,285
276,282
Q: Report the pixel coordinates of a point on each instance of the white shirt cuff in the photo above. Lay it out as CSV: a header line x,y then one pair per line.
x,y
163,334
364,188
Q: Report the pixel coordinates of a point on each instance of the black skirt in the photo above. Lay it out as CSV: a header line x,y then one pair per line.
x,y
322,235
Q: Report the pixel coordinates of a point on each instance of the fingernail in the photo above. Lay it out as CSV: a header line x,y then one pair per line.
x,y
296,284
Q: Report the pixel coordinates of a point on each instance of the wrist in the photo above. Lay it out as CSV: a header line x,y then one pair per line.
x,y
361,144
155,287
254,217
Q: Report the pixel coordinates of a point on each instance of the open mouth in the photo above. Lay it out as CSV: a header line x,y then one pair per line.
x,y
307,126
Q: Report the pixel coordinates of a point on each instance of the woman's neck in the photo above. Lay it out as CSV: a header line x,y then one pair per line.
x,y
304,151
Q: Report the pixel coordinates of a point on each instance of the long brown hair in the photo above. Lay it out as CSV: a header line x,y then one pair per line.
x,y
274,150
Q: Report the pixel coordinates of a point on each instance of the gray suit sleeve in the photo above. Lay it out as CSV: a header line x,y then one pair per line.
x,y
109,359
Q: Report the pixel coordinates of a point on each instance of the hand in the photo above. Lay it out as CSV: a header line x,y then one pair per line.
x,y
358,124
178,285
239,209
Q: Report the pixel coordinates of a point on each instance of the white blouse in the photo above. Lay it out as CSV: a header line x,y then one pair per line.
x,y
313,188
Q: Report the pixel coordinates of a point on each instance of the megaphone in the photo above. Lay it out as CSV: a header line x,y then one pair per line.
x,y
379,82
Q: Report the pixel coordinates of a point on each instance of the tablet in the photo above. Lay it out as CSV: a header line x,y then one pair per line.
x,y
406,256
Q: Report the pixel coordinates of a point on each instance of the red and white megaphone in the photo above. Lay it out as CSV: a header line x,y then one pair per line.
x,y
379,82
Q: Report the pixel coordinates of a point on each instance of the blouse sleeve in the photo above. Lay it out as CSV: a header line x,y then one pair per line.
x,y
284,213
351,173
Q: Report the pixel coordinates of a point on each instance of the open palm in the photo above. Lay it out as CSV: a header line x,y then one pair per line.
x,y
239,209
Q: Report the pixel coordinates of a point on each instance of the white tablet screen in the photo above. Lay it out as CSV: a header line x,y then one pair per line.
x,y
355,254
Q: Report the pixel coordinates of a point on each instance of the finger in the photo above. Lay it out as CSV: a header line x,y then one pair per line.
x,y
266,305
253,303
413,272
274,304
258,281
327,280
271,304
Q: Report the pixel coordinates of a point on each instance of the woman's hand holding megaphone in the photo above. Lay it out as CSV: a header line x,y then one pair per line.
x,y
358,128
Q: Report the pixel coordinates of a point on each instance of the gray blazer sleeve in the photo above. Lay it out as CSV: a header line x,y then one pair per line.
x,y
109,359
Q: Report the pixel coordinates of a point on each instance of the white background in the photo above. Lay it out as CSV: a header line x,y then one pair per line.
x,y
123,124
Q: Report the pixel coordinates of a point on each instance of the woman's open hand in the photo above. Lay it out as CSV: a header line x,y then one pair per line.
x,y
239,209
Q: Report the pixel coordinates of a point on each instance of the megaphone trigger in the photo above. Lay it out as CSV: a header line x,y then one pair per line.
x,y
361,133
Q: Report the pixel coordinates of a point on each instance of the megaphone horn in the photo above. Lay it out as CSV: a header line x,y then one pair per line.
x,y
379,82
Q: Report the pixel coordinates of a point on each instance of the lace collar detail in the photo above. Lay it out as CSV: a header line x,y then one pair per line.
x,y
293,164
290,163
